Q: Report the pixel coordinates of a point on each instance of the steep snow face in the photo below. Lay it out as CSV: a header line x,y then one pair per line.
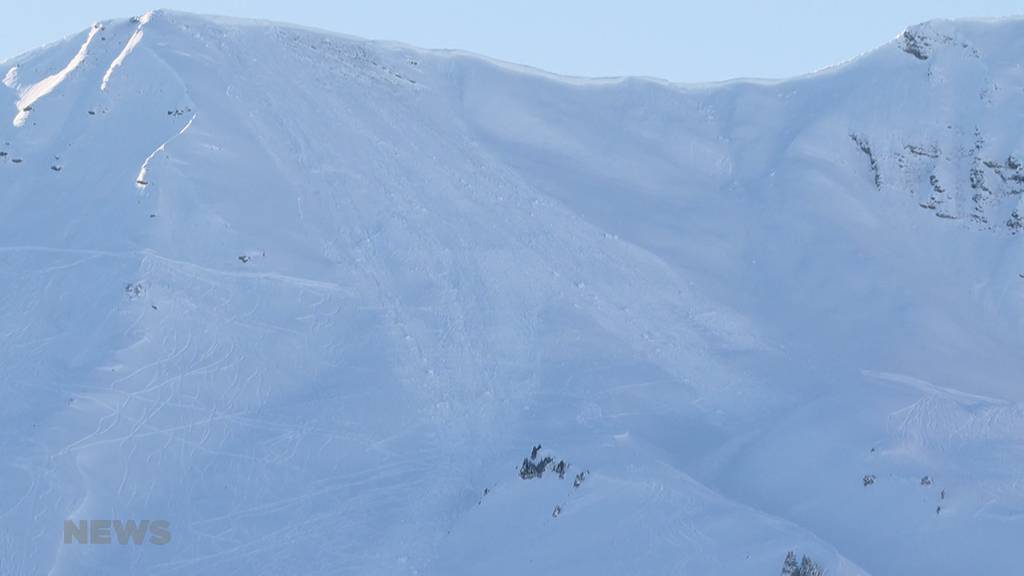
x,y
314,300
960,163
127,50
50,83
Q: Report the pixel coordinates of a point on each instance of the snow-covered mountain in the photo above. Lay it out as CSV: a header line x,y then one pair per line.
x,y
314,300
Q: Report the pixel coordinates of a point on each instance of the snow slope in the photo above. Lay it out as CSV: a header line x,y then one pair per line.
x,y
313,299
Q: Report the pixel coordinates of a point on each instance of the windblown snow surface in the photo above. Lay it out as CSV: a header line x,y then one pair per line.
x,y
314,299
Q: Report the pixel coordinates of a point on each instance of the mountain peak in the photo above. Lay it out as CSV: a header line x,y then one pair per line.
x,y
993,37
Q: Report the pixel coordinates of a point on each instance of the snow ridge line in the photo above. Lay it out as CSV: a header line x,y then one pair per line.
x,y
47,85
128,48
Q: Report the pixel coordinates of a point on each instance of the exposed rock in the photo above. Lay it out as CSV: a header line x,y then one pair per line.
x,y
1015,223
864,147
915,43
530,470
928,152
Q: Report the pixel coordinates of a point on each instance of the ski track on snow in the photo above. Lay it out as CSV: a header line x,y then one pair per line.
x,y
184,265
953,394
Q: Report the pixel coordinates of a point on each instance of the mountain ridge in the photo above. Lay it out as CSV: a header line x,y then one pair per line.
x,y
961,22
315,300
926,36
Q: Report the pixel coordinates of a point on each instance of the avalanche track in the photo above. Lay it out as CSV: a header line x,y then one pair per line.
x,y
314,300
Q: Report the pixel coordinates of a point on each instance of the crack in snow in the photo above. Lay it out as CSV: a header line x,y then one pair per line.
x,y
36,91
140,180
128,48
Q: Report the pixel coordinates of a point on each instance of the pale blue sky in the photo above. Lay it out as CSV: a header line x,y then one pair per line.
x,y
682,41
